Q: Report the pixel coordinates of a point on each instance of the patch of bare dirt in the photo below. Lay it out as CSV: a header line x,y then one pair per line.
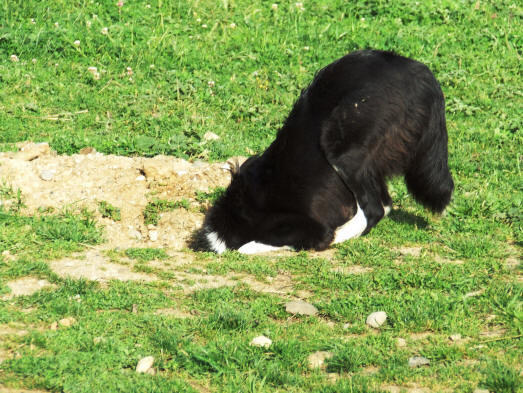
x,y
190,282
329,253
4,389
420,335
26,286
13,330
173,312
412,251
96,267
128,183
399,389
512,263
495,332
440,259
354,269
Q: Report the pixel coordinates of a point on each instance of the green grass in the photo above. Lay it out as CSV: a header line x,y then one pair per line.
x,y
154,208
235,68
209,197
109,211
146,254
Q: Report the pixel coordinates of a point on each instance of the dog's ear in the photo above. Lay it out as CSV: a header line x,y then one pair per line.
x,y
250,182
234,167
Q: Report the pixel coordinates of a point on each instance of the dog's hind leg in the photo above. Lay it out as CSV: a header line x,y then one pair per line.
x,y
352,165
367,188
386,200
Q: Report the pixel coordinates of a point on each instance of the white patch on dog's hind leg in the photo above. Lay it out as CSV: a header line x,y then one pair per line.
x,y
256,248
352,228
387,210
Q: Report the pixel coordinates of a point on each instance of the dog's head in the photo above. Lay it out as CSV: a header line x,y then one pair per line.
x,y
234,219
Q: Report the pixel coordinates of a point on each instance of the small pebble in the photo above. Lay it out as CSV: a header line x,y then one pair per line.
x,y
145,364
418,361
261,341
455,337
47,174
210,136
140,178
301,308
376,319
153,236
66,322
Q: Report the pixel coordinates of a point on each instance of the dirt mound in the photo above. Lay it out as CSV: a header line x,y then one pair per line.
x,y
48,180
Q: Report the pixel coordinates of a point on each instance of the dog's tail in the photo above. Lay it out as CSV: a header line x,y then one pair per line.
x,y
428,177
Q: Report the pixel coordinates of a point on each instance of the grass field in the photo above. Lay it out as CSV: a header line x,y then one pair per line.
x,y
152,77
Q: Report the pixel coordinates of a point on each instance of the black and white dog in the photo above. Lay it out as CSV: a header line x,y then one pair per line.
x,y
366,117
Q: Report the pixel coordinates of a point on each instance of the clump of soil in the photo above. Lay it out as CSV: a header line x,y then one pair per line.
x,y
48,180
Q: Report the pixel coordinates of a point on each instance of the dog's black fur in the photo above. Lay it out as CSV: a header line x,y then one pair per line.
x,y
371,115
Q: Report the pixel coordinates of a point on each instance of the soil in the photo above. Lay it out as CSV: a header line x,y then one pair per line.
x,y
128,183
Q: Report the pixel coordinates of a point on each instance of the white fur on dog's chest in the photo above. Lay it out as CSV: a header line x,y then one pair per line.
x,y
352,228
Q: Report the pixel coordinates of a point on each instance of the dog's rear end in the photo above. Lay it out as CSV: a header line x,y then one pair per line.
x,y
388,120
367,117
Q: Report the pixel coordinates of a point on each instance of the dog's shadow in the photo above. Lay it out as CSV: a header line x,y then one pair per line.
x,y
197,241
403,217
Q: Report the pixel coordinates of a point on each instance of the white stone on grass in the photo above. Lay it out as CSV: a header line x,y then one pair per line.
x,y
210,136
418,361
376,319
261,341
66,322
145,364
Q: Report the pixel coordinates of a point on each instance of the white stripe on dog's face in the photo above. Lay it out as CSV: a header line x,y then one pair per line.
x,y
255,248
216,244
352,228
